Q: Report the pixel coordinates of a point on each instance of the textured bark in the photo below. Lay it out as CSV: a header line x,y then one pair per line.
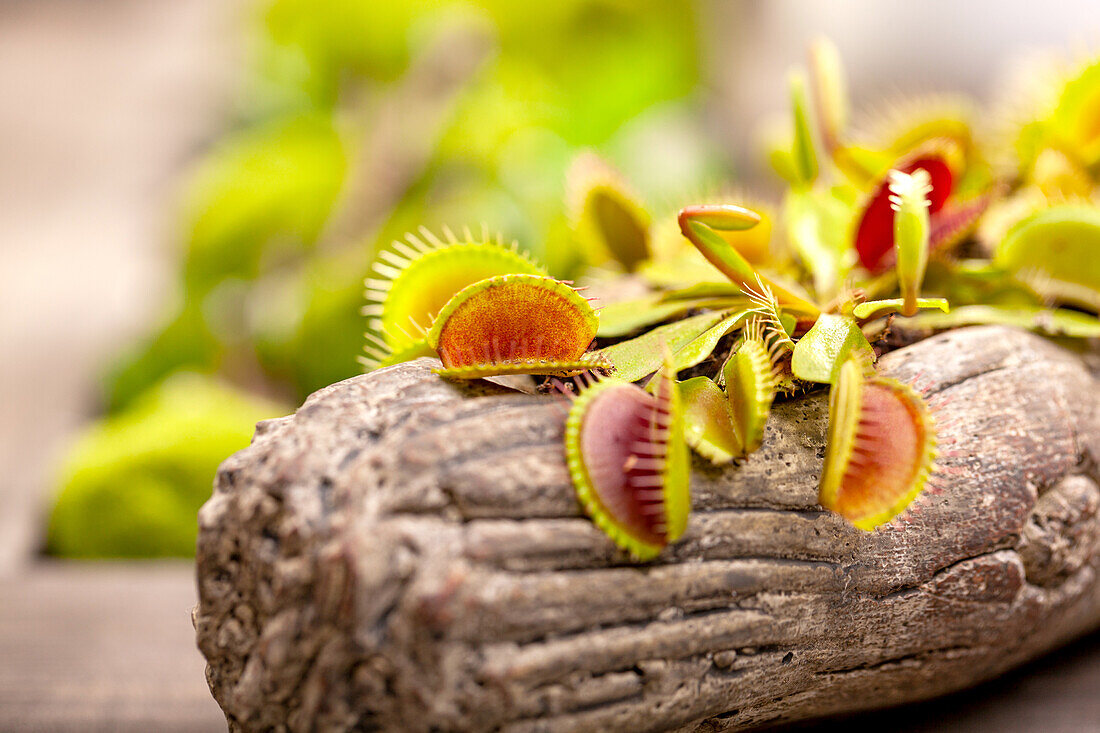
x,y
406,554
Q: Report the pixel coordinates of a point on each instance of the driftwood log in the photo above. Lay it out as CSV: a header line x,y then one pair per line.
x,y
406,554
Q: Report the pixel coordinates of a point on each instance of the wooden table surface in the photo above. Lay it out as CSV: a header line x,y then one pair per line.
x,y
102,647
108,646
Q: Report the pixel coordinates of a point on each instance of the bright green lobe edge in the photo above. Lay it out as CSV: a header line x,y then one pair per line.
x,y
526,366
751,390
677,473
845,399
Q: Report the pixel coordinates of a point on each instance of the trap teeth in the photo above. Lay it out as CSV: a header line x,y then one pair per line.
x,y
751,382
411,284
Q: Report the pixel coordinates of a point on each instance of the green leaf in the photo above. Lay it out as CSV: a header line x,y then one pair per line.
x,y
830,94
1053,322
708,423
877,308
641,356
699,348
1057,253
627,316
132,482
704,290
819,355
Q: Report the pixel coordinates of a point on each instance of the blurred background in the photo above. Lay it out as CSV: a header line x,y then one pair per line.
x,y
192,191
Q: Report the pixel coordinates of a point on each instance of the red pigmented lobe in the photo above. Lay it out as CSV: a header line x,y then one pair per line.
x,y
886,457
623,447
875,235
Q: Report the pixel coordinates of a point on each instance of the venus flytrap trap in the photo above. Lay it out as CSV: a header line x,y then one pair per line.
x,y
701,226
1056,253
709,421
751,379
415,279
881,445
748,315
874,236
628,460
514,324
608,218
909,200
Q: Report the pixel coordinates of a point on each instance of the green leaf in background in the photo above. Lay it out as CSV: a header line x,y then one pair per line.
x,y
1050,321
272,185
132,484
1073,122
822,351
817,223
308,47
627,316
829,91
1056,252
803,150
306,324
187,341
877,308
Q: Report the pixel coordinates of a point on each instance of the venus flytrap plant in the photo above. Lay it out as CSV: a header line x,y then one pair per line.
x,y
701,224
874,235
829,94
751,379
803,152
1056,252
827,346
865,218
708,421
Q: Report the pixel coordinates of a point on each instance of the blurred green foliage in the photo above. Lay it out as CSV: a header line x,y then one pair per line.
x,y
271,276
133,482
